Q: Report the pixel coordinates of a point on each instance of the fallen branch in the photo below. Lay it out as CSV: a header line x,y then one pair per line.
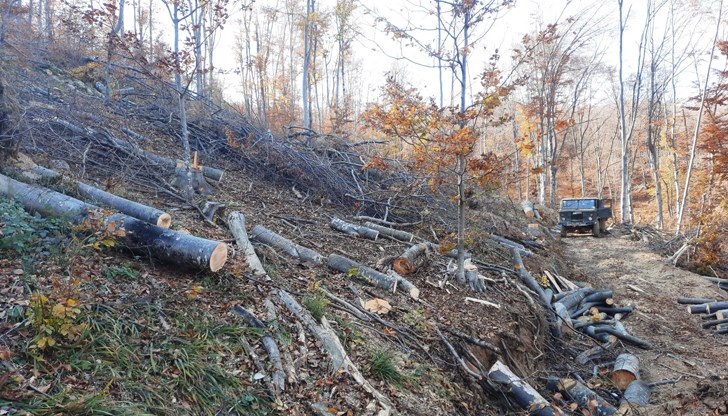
x,y
391,232
371,276
331,344
278,379
354,230
411,259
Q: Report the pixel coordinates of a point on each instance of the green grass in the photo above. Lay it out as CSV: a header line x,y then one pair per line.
x,y
317,304
381,365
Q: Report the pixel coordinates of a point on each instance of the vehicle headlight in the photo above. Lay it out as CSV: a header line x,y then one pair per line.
x,y
590,218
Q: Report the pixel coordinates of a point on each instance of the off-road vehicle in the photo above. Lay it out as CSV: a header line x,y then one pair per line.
x,y
584,215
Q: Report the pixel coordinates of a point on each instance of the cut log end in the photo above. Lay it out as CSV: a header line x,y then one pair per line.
x,y
218,257
403,266
164,220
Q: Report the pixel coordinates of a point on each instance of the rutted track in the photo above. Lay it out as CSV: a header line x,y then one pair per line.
x,y
682,349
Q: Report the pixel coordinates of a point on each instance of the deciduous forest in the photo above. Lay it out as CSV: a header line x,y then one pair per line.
x,y
354,208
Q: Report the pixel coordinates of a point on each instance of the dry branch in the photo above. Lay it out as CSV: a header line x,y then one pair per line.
x,y
331,344
278,378
371,276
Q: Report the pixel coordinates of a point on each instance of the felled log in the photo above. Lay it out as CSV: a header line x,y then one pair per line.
x,y
511,244
292,249
694,301
169,245
721,314
353,229
599,296
391,232
371,276
707,307
270,346
236,223
626,370
526,396
123,205
331,344
611,310
136,136
95,195
573,298
527,207
526,277
411,259
587,398
714,322
597,332
636,394
620,332
564,318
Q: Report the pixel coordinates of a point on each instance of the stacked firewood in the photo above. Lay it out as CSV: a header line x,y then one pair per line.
x,y
592,312
712,311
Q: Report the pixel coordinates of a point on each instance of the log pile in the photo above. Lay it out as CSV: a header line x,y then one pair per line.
x,y
714,313
591,312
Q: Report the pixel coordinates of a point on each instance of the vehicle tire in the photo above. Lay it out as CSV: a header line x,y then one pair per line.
x,y
595,229
603,225
563,232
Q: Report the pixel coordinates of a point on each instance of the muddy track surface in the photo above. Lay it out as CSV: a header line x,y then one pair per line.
x,y
682,350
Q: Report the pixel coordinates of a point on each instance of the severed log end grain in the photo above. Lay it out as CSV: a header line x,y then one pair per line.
x,y
411,259
586,398
625,371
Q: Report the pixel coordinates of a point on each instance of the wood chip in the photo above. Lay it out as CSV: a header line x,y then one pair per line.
x,y
483,302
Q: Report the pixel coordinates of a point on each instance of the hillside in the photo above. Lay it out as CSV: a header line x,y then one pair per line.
x,y
135,335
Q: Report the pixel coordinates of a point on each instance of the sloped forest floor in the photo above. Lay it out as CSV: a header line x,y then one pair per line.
x,y
131,335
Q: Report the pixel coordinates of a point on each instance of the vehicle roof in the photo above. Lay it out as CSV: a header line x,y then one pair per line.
x,y
586,197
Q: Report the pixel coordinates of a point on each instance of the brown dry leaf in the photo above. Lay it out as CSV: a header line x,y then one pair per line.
x,y
378,306
5,353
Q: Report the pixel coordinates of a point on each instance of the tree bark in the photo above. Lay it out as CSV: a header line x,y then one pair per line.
x,y
391,232
586,398
526,396
371,276
236,223
166,244
354,230
292,249
626,370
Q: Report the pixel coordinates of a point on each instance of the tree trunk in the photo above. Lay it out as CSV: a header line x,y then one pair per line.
x,y
292,249
236,223
371,276
411,259
169,245
526,396
354,230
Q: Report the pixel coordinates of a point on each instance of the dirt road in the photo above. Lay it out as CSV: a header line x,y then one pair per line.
x,y
682,349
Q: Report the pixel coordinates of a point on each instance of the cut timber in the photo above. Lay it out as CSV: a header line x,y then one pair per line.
x,y
694,301
391,232
292,249
511,244
526,396
586,398
411,259
721,314
131,208
527,207
371,276
637,394
236,223
169,245
279,376
599,296
531,283
626,370
95,195
331,344
714,322
354,230
574,298
707,307
620,332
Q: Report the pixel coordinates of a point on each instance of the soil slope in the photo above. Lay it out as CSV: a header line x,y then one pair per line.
x,y
682,349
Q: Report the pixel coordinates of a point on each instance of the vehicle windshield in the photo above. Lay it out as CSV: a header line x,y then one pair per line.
x,y
578,204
